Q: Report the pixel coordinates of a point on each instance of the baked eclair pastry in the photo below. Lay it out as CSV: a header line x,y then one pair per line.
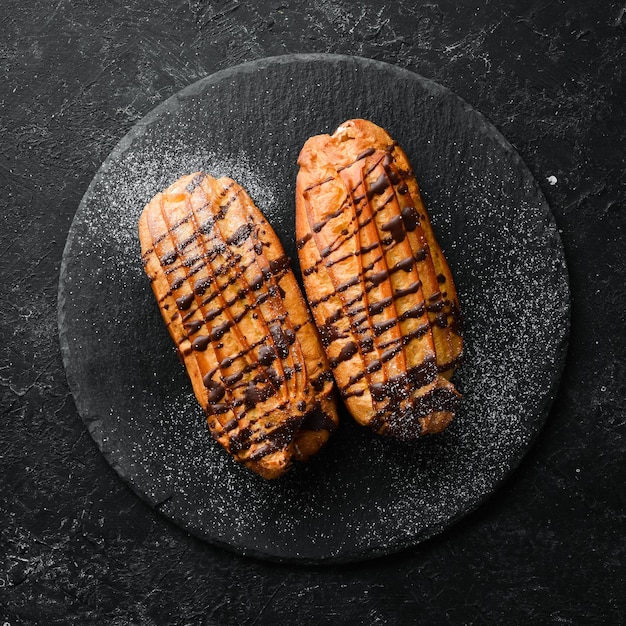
x,y
231,303
379,288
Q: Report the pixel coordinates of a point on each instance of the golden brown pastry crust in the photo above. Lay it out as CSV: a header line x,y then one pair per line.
x,y
234,310
378,285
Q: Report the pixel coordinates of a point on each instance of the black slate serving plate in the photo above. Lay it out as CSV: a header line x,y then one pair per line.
x,y
362,496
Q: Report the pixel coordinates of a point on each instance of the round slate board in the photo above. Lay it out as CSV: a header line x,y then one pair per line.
x,y
363,495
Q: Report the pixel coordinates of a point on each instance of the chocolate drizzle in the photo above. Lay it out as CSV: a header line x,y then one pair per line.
x,y
347,352
218,331
201,343
267,354
202,285
216,393
318,420
377,259
378,186
169,258
255,394
240,235
410,218
193,326
302,242
236,316
184,302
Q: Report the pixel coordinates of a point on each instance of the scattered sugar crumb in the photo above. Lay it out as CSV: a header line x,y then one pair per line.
x,y
497,253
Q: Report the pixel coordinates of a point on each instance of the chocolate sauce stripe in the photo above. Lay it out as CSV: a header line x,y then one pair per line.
x,y
196,181
325,298
319,183
356,214
294,362
366,357
444,367
300,243
232,280
405,339
178,224
251,301
390,323
357,253
171,235
356,393
447,309
359,158
241,341
363,155
350,348
279,438
401,233
190,271
284,387
317,227
366,173
295,354
379,329
223,208
250,365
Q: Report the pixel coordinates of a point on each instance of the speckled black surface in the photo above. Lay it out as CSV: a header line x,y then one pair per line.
x,y
78,547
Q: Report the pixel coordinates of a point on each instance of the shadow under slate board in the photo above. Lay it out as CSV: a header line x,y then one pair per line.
x,y
363,496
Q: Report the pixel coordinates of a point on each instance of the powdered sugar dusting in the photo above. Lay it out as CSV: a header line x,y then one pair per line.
x,y
362,495
134,178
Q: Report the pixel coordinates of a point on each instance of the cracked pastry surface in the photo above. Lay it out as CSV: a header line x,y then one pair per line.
x,y
379,287
231,303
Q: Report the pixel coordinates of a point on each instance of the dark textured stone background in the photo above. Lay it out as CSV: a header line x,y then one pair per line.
x,y
78,547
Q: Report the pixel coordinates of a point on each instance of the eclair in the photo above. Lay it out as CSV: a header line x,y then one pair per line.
x,y
230,301
378,285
